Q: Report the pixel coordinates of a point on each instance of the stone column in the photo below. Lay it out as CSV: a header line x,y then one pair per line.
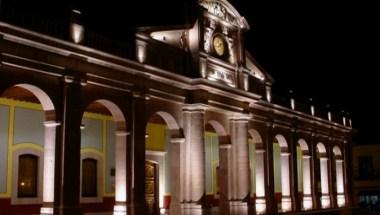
x,y
49,165
177,174
331,177
120,207
296,206
194,163
307,197
325,200
340,183
272,207
315,179
347,155
286,201
260,182
137,124
240,165
67,162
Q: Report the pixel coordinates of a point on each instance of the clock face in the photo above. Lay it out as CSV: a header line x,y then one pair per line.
x,y
219,44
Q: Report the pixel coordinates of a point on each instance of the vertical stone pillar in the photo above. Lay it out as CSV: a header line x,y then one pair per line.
x,y
260,182
347,155
296,206
331,177
325,199
49,166
272,207
177,174
240,165
194,163
286,201
120,207
225,178
137,124
67,162
340,183
314,183
307,197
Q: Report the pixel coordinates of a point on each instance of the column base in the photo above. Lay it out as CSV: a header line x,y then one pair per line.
x,y
286,204
193,209
307,203
120,208
325,201
238,208
260,205
137,209
47,208
341,200
68,211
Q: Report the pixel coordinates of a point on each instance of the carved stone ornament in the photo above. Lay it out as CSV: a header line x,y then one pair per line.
x,y
218,10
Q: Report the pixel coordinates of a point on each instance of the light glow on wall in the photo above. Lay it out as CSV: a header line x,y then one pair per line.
x,y
325,201
120,210
307,203
260,206
286,204
341,200
77,32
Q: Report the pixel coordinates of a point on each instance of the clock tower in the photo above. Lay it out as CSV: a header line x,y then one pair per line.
x,y
212,46
221,48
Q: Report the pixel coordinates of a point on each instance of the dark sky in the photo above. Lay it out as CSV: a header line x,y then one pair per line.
x,y
327,50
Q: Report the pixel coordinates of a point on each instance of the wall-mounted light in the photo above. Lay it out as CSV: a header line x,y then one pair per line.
x,y
82,126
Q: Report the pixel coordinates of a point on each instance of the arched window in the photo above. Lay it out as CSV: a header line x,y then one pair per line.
x,y
27,176
89,177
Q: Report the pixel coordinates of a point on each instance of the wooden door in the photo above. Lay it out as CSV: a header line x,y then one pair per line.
x,y
151,194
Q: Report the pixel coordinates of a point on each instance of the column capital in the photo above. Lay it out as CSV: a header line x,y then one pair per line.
x,y
283,154
51,123
306,156
225,146
258,151
139,95
197,107
122,133
178,140
339,160
240,117
324,158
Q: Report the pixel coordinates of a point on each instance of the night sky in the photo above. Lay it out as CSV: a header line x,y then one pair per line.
x,y
327,50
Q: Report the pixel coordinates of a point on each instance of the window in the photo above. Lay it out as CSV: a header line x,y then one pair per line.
x,y
365,167
27,176
89,177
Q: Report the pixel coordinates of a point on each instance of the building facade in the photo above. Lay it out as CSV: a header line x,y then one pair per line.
x,y
366,176
186,124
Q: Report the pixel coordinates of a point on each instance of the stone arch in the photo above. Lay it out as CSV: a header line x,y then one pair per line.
x,y
256,137
116,113
31,92
107,107
337,151
304,146
282,142
167,171
321,149
172,124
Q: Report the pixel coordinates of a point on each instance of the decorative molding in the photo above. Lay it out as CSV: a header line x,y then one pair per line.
x,y
219,10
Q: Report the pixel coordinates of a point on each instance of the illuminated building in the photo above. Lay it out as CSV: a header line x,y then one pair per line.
x,y
183,124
